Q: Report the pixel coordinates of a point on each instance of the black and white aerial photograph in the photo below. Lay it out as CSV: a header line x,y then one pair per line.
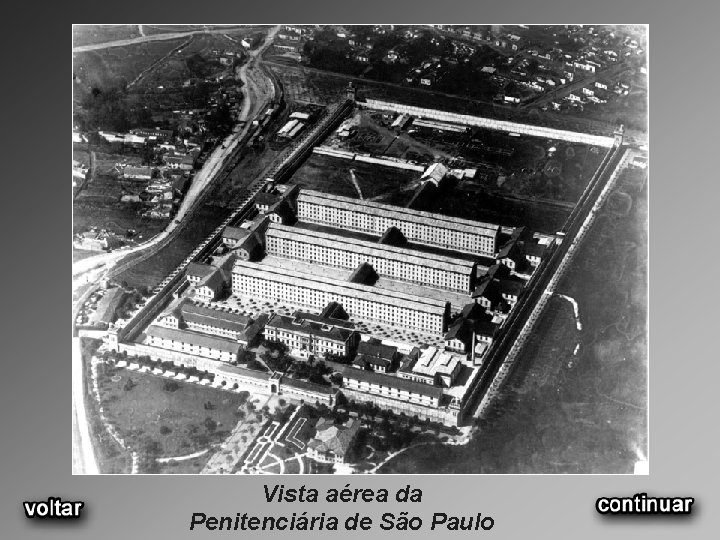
x,y
360,249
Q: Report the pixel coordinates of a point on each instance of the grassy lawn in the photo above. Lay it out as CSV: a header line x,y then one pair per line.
x,y
163,421
481,205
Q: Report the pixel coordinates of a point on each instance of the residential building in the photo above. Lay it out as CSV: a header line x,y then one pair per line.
x,y
375,356
333,442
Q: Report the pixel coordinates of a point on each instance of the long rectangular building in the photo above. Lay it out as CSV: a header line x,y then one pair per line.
x,y
376,218
391,387
195,343
348,252
365,302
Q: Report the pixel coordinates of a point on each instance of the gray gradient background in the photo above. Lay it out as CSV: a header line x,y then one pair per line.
x,y
35,401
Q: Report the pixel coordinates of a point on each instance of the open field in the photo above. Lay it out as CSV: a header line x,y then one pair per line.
x,y
87,34
565,413
153,270
332,175
110,456
116,66
482,205
174,69
166,418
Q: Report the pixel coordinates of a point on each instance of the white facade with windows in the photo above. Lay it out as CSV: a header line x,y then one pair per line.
x,y
368,303
376,218
393,262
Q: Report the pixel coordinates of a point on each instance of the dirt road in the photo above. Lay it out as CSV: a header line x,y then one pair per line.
x,y
257,93
146,38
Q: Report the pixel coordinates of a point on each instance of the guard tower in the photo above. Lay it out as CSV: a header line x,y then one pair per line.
x,y
350,92
619,133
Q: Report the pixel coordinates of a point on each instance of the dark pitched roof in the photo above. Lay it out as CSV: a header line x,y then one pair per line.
x,y
365,274
393,237
334,310
266,199
252,331
461,330
510,249
472,311
363,361
533,248
235,233
510,286
283,209
487,288
252,245
498,270
215,281
199,269
377,349
485,328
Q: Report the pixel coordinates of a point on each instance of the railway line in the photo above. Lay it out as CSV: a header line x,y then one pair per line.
x,y
278,172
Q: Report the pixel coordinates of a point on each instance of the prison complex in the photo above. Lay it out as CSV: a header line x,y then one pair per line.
x,y
376,218
399,263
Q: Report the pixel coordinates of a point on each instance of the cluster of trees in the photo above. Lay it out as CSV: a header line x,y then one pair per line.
x,y
277,362
110,109
312,372
200,67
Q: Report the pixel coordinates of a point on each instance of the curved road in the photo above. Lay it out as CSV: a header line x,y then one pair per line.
x,y
256,95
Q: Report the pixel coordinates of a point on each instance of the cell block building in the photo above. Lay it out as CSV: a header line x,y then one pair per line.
x,y
267,282
376,218
399,263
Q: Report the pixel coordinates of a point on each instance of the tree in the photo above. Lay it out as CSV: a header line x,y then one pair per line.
x,y
210,424
220,121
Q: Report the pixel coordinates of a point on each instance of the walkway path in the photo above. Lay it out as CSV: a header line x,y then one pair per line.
x,y
83,453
